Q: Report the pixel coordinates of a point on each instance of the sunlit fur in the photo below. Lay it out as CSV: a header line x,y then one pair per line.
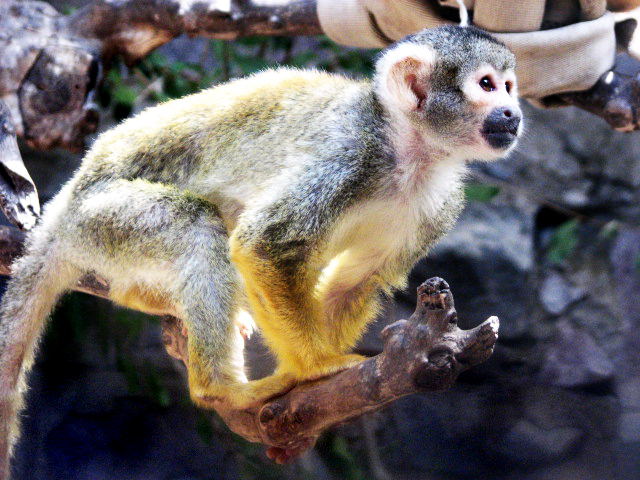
x,y
300,196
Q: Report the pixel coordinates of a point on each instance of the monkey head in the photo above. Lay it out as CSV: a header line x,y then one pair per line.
x,y
455,87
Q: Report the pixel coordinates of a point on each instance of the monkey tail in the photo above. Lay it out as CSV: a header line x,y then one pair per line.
x,y
38,280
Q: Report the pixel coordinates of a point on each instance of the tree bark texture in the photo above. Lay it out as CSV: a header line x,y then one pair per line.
x,y
423,354
18,196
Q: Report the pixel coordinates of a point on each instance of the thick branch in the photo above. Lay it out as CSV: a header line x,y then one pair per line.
x,y
134,27
615,98
423,354
18,196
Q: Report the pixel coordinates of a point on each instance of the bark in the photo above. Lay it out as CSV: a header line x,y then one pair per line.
x,y
615,98
18,196
423,354
133,28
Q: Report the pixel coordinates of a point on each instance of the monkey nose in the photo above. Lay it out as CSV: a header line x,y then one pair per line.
x,y
513,114
500,127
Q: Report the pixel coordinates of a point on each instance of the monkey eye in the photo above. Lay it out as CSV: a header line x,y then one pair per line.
x,y
486,84
508,87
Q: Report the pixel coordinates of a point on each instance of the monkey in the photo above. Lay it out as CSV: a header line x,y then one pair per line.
x,y
300,198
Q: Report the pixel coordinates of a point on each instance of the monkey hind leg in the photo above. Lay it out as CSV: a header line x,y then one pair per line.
x,y
213,303
166,251
38,279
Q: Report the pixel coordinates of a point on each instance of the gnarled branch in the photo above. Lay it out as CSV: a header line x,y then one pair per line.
x,y
614,97
423,354
18,196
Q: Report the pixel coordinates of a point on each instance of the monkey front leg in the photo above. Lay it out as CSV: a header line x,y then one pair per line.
x,y
281,294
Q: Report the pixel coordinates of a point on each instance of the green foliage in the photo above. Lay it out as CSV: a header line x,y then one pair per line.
x,y
156,388
253,463
637,263
341,59
479,192
563,241
609,230
204,429
117,94
157,79
338,456
68,9
130,372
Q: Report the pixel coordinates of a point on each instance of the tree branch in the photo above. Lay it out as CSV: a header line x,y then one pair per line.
x,y
423,354
18,196
614,97
133,28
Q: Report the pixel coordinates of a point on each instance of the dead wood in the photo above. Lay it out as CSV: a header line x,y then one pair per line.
x,y
133,28
614,97
18,196
51,64
423,354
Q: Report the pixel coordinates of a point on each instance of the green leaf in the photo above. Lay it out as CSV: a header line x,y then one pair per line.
x,y
637,262
114,77
159,392
157,60
609,230
125,95
563,241
478,192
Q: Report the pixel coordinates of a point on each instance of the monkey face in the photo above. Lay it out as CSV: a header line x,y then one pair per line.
x,y
492,93
500,127
479,116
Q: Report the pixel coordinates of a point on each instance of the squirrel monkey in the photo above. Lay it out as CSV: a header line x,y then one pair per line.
x,y
298,196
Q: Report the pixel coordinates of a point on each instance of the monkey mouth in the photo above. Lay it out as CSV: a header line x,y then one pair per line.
x,y
500,136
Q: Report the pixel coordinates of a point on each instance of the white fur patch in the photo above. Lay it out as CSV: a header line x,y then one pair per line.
x,y
370,235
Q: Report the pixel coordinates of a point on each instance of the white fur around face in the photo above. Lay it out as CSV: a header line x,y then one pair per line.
x,y
500,96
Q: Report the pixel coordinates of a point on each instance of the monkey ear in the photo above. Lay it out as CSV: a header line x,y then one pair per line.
x,y
406,79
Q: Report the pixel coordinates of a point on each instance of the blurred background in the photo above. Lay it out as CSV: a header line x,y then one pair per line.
x,y
549,242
